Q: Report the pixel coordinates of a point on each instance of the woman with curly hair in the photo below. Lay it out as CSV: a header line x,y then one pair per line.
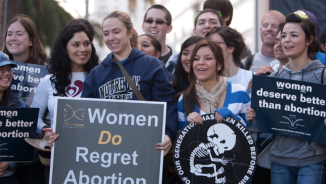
x,y
22,42
73,56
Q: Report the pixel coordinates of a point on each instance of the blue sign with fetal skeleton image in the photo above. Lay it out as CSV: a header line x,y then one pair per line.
x,y
213,152
290,108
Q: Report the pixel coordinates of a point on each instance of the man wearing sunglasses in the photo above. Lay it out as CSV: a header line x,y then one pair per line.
x,y
157,22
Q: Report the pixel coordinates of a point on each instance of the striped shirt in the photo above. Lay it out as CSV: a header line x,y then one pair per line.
x,y
236,100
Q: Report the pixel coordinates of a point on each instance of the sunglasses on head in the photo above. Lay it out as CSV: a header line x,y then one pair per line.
x,y
158,22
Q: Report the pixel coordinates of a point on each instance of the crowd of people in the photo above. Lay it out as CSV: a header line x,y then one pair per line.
x,y
212,73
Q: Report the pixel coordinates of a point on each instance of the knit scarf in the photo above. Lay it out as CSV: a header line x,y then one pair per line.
x,y
211,99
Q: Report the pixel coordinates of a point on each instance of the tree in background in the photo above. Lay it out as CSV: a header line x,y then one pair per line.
x,y
133,4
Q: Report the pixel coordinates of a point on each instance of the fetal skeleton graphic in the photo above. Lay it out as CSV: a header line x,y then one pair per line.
x,y
221,138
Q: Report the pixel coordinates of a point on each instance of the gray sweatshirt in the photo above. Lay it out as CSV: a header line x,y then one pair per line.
x,y
291,151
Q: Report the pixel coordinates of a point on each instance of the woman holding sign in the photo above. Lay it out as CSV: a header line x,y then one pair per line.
x,y
296,160
209,92
73,56
148,74
7,169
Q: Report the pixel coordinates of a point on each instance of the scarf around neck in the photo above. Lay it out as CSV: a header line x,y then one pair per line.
x,y
211,98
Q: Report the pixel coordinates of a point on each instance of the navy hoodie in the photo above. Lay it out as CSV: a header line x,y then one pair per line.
x,y
150,76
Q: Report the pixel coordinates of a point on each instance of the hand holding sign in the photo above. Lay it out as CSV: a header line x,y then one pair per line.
x,y
250,114
166,145
194,117
50,136
3,167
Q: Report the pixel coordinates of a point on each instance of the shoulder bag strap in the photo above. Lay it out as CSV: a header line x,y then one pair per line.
x,y
130,82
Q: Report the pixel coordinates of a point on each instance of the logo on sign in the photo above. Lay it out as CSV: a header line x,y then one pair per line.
x,y
221,138
71,116
292,121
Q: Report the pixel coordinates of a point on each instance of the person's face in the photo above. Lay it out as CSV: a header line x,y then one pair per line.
x,y
158,31
323,47
146,46
79,49
227,52
185,57
205,23
278,51
269,27
5,77
204,65
116,36
294,42
17,40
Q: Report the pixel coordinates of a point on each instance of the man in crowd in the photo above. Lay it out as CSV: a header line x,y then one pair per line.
x,y
269,26
157,22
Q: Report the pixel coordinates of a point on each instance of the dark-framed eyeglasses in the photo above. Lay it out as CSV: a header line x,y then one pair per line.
x,y
3,70
158,22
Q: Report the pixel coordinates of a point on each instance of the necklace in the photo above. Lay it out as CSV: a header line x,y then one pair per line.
x,y
234,79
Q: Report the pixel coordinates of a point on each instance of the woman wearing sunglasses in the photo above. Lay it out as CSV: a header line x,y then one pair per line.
x,y
148,73
209,92
7,169
296,160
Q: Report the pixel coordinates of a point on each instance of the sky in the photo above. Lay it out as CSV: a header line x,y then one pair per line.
x,y
77,8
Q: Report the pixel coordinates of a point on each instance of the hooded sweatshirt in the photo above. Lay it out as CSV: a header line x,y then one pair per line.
x,y
150,76
292,151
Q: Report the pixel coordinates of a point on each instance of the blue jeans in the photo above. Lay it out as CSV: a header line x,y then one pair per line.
x,y
307,174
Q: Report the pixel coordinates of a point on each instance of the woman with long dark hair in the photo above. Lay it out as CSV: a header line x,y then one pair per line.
x,y
209,92
296,160
182,69
72,58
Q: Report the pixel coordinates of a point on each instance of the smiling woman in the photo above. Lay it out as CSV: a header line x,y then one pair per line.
x,y
209,92
147,73
7,169
298,43
22,41
73,56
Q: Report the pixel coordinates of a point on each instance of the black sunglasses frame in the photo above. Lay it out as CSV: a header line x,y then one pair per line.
x,y
158,22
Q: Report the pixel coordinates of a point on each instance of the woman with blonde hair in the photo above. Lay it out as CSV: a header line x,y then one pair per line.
x,y
147,72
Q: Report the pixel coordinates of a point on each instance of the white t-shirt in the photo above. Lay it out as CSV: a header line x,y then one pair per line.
x,y
258,61
242,77
44,99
